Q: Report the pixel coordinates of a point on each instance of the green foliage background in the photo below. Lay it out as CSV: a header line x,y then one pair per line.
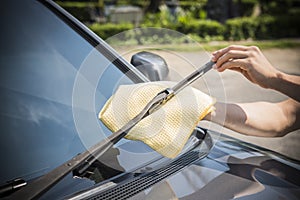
x,y
277,19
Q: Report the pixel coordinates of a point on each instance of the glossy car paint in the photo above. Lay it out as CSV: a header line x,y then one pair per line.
x,y
232,170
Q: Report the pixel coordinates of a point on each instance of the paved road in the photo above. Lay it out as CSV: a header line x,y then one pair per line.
x,y
232,87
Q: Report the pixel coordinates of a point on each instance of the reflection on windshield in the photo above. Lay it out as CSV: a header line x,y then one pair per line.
x,y
39,65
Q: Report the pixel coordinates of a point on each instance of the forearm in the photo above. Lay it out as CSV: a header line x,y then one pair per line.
x,y
256,119
287,84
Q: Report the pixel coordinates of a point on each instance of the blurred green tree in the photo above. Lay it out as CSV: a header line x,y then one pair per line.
x,y
153,6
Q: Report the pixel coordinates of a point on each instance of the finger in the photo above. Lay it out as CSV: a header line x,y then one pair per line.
x,y
231,55
235,64
217,54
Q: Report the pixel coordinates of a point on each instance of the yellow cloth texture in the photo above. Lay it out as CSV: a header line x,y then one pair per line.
x,y
167,129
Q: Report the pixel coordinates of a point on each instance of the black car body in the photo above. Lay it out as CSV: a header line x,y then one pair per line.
x,y
55,77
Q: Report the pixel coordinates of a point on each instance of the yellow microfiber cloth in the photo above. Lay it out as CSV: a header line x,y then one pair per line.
x,y
167,129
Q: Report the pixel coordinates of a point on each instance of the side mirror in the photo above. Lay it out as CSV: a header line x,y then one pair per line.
x,y
151,65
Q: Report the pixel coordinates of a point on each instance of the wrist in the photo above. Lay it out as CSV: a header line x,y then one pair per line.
x,y
276,80
287,84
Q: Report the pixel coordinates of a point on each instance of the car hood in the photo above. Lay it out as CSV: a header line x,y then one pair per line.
x,y
231,170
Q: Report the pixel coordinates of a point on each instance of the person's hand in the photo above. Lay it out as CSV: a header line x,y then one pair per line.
x,y
249,61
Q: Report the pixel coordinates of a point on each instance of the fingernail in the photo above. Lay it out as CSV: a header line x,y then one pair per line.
x,y
215,66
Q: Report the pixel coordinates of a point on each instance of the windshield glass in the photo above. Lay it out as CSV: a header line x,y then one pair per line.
x,y
49,98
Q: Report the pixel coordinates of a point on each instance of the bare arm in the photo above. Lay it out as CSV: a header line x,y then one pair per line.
x,y
259,118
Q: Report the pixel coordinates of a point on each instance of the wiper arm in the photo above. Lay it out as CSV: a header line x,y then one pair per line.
x,y
82,161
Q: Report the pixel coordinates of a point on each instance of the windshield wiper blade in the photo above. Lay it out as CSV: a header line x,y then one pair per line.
x,y
82,161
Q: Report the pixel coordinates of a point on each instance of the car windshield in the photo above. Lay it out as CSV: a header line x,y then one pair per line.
x,y
53,83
